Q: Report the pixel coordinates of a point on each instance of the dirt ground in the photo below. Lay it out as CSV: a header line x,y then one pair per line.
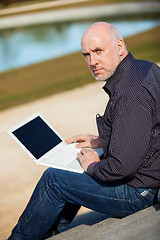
x,y
71,113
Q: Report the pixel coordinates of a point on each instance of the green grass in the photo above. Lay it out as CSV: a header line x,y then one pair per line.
x,y
64,73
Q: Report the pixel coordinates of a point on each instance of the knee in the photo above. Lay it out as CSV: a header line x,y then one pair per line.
x,y
48,171
56,176
52,179
47,176
51,174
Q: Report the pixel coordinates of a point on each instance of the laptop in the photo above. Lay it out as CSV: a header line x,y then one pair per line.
x,y
45,145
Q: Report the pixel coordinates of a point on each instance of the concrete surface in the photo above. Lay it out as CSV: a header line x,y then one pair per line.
x,y
143,225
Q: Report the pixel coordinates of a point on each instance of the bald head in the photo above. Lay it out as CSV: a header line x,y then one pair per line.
x,y
102,28
103,48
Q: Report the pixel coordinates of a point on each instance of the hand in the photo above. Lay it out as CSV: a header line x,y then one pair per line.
x,y
85,141
86,157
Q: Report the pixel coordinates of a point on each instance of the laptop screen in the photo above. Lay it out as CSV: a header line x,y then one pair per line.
x,y
37,137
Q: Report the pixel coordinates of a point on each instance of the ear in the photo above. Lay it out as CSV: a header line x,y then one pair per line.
x,y
120,47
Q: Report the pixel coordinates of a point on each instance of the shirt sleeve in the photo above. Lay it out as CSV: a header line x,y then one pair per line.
x,y
129,142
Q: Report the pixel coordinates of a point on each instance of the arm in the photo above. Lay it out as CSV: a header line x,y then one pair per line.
x,y
129,142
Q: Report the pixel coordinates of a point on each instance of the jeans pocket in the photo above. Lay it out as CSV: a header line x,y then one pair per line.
x,y
146,196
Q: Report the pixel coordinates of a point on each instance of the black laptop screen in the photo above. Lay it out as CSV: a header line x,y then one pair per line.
x,y
37,137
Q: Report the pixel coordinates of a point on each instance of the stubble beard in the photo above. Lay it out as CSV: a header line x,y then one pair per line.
x,y
110,74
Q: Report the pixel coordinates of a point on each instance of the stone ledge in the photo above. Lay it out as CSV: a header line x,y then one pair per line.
x,y
143,225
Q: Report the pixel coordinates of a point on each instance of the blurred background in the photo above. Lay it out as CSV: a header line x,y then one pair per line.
x,y
42,69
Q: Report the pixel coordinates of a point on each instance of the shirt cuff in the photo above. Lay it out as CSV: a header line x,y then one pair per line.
x,y
90,168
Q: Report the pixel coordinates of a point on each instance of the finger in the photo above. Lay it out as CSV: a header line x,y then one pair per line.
x,y
71,140
82,145
84,151
80,155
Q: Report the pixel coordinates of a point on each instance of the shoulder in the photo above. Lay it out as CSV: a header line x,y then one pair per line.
x,y
143,74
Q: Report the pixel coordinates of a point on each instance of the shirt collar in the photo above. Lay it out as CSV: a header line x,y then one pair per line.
x,y
123,66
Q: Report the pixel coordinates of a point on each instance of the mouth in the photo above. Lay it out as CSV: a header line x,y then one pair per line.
x,y
97,70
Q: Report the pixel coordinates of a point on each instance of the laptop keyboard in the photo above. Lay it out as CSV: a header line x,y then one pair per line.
x,y
65,155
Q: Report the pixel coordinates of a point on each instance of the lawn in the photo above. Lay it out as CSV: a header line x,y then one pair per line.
x,y
64,73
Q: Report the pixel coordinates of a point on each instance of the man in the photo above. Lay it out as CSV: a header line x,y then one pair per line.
x,y
126,179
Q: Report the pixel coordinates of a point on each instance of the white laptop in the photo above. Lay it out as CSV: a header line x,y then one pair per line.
x,y
45,145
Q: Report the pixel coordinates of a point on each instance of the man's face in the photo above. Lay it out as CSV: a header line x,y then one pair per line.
x,y
100,54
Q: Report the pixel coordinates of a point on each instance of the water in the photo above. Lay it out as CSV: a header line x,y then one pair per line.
x,y
21,47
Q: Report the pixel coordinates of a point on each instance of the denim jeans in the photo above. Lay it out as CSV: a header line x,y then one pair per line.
x,y
57,188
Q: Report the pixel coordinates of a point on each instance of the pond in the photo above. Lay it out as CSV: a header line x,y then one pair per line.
x,y
24,46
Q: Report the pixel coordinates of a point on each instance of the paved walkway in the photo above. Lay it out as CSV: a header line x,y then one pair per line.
x,y
71,113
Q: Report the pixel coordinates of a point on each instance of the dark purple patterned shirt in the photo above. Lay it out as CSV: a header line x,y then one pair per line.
x,y
130,127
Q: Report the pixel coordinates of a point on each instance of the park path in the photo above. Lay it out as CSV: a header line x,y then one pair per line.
x,y
71,113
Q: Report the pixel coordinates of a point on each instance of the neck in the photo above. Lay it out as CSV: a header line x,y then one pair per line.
x,y
124,55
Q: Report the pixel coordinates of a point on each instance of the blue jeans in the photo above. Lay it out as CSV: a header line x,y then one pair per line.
x,y
56,188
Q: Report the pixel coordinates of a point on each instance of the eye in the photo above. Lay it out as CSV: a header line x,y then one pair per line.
x,y
86,54
98,50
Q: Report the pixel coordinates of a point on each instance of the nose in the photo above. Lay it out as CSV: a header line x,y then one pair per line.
x,y
93,60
